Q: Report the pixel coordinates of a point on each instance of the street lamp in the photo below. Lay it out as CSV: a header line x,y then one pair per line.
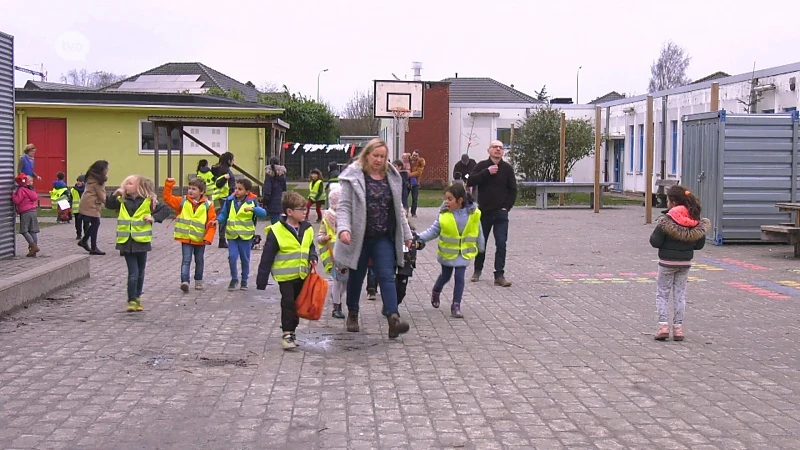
x,y
578,85
318,75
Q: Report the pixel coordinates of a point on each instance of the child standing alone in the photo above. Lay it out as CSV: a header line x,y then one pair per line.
x,y
138,208
326,237
678,233
237,218
25,200
288,253
316,193
194,227
460,239
76,193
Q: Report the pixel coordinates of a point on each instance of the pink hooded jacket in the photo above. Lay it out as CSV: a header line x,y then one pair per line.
x,y
25,199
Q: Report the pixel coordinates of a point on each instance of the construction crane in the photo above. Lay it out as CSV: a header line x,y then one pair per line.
x,y
42,75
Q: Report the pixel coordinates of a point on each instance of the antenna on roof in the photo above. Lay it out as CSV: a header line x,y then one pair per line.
x,y
396,77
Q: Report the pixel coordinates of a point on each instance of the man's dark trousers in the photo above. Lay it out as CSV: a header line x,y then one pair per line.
x,y
497,221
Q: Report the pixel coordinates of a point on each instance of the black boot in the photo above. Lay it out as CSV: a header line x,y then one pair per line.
x,y
84,244
223,243
396,326
337,311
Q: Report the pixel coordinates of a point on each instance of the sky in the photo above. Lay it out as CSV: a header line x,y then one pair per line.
x,y
525,43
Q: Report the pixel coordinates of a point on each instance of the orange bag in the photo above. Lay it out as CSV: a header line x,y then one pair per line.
x,y
311,300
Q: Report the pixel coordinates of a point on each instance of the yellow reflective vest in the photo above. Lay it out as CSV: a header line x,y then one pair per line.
x,y
223,192
134,227
326,251
316,191
56,195
191,223
240,224
291,262
451,243
208,178
76,200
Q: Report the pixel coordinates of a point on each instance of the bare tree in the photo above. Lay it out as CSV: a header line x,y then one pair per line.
x,y
96,79
670,69
269,87
359,114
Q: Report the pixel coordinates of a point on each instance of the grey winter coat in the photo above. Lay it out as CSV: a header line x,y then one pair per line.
x,y
352,215
461,216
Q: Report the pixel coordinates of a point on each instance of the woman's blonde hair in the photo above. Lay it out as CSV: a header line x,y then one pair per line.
x,y
144,187
371,147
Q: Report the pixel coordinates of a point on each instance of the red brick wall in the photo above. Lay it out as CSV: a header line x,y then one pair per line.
x,y
431,135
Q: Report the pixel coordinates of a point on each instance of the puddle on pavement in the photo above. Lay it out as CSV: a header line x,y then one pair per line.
x,y
160,362
334,342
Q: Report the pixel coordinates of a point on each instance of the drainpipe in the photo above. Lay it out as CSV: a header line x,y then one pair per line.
x,y
20,136
661,195
607,141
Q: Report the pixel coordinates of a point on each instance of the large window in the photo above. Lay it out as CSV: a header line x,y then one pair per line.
x,y
214,137
631,145
641,148
674,166
504,136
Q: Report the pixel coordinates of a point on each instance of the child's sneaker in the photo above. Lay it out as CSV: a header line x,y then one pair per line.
x,y
372,295
288,341
435,299
337,311
198,285
184,286
138,304
232,285
677,333
243,286
131,305
662,333
455,311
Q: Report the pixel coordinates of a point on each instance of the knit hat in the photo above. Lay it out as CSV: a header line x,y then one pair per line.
x,y
21,180
81,178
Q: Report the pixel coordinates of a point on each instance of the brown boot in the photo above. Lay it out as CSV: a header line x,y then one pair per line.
x,y
34,248
352,321
501,281
396,326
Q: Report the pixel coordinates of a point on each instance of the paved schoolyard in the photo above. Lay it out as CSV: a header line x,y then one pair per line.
x,y
563,359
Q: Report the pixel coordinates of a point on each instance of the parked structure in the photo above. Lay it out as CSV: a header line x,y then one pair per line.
x,y
7,213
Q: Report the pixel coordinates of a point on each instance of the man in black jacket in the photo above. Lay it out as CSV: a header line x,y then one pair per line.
x,y
497,192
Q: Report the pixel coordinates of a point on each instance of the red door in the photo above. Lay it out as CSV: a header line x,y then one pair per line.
x,y
50,138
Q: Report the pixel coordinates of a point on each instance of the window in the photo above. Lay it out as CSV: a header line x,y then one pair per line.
x,y
768,111
504,136
216,138
674,167
630,144
790,109
641,148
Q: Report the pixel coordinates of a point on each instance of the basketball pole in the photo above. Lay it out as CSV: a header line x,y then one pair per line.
x,y
562,155
598,114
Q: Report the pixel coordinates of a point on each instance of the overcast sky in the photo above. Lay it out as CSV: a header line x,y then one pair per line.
x,y
525,43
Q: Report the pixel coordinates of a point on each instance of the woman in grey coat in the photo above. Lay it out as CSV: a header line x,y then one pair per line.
x,y
371,225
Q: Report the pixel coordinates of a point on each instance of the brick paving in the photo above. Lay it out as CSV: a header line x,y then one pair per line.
x,y
562,359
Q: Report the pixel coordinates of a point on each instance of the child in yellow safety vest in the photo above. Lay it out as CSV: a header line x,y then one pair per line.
x,y
316,193
76,192
460,240
138,208
289,254
60,192
326,238
194,227
237,219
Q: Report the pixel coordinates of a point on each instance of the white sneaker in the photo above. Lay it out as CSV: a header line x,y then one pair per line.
x,y
198,285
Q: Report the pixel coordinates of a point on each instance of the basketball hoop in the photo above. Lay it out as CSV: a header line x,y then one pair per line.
x,y
401,116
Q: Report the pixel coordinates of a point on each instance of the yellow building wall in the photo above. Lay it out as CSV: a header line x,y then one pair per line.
x,y
114,136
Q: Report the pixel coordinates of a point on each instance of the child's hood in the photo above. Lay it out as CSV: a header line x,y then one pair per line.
x,y
205,169
684,233
681,216
58,184
471,207
79,187
279,170
333,198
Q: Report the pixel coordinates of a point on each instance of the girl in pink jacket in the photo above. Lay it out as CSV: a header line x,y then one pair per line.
x,y
25,201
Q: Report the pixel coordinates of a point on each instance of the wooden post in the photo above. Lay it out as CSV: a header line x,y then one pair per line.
x,y
714,97
563,155
155,150
169,152
598,117
180,160
648,177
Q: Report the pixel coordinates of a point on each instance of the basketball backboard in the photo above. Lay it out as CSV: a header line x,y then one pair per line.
x,y
393,94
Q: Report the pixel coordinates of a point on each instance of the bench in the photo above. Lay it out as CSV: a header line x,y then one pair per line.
x,y
555,187
788,234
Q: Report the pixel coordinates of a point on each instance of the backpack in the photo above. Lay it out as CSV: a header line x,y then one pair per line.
x,y
311,300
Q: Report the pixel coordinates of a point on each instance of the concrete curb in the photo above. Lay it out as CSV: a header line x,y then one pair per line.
x,y
24,288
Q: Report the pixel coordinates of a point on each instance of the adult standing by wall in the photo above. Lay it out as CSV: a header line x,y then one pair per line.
x,y
27,162
415,179
464,167
371,225
92,201
225,183
274,187
497,192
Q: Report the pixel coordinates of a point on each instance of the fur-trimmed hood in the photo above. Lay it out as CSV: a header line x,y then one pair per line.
x,y
682,233
279,170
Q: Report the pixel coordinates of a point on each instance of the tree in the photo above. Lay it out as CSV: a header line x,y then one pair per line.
x,y
537,144
310,122
95,79
670,69
542,94
359,115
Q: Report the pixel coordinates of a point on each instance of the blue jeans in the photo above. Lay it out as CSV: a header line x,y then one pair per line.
x,y
239,249
499,221
136,263
199,252
444,277
414,198
381,250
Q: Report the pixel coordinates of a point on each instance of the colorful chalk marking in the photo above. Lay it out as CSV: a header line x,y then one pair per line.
x,y
747,287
